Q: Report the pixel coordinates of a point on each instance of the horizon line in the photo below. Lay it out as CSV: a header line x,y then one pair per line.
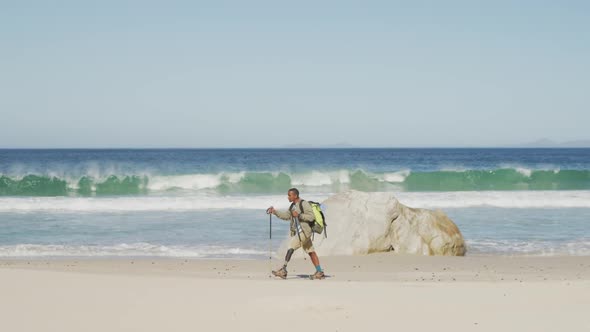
x,y
295,148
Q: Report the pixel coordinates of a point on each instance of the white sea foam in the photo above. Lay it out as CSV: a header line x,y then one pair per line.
x,y
500,199
396,177
317,178
126,250
137,203
501,247
579,247
524,171
193,181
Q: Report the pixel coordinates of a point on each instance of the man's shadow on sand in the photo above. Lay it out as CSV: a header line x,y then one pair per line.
x,y
307,276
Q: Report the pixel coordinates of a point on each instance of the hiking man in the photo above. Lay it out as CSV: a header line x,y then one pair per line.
x,y
300,232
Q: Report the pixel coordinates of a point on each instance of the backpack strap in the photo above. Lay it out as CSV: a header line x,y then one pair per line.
x,y
309,222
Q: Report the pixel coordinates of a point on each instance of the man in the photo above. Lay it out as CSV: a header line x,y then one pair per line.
x,y
300,232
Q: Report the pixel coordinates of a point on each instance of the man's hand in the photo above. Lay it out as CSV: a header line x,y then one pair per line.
x,y
295,214
270,210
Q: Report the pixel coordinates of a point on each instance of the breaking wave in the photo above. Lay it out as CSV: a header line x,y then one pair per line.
x,y
507,179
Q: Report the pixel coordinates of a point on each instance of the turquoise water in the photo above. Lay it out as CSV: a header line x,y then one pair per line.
x,y
210,203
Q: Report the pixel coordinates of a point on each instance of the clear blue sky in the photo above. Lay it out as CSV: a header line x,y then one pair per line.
x,y
254,74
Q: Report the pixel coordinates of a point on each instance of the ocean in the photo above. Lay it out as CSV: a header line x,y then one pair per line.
x,y
210,203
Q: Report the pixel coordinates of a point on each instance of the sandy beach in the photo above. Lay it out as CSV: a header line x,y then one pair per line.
x,y
380,291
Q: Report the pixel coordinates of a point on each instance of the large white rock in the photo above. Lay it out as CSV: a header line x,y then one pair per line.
x,y
362,223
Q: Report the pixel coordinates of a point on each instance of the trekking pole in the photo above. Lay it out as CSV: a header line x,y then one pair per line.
x,y
270,245
298,226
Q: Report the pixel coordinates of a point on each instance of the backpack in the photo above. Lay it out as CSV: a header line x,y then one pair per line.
x,y
319,225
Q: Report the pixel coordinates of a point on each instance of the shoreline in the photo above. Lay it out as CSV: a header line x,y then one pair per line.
x,y
373,267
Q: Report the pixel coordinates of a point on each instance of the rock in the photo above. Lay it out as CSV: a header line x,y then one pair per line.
x,y
363,223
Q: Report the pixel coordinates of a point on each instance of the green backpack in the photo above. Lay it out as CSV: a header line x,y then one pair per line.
x,y
319,225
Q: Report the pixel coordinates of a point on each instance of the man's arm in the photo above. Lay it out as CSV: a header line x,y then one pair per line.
x,y
285,215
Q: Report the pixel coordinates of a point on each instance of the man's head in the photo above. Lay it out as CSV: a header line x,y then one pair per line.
x,y
293,195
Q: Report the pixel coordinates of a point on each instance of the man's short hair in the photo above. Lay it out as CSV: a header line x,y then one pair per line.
x,y
295,191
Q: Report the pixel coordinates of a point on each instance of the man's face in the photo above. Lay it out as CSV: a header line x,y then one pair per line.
x,y
291,196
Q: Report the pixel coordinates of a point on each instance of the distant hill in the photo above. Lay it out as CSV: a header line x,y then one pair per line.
x,y
547,143
310,146
541,143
